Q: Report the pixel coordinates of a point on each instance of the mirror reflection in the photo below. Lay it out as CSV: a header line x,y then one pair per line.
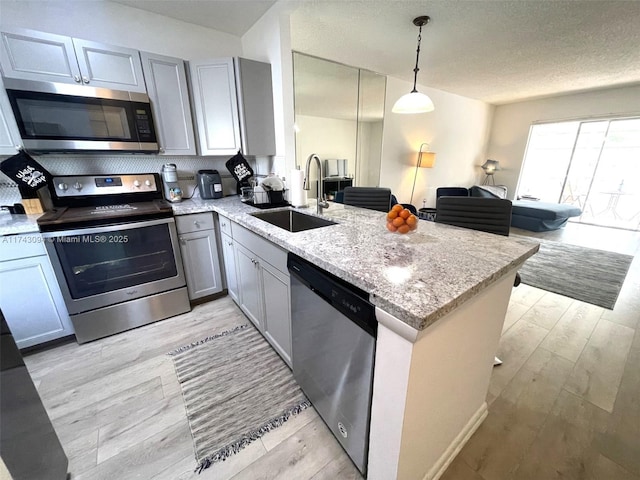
x,y
339,113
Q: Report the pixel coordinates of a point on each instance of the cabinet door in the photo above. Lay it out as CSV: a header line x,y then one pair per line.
x,y
31,55
277,310
31,301
10,141
107,66
167,88
249,288
215,106
230,267
255,102
201,263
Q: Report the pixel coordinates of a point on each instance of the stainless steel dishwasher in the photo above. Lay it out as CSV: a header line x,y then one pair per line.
x,y
333,330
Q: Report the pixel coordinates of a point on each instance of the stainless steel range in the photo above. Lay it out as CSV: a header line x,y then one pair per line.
x,y
113,244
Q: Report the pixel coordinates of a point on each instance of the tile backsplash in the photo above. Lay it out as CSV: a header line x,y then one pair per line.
x,y
75,164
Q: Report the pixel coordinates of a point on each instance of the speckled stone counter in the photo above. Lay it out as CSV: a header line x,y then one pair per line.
x,y
17,224
418,277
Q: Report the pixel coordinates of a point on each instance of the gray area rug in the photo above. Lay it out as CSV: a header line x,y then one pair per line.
x,y
586,274
235,388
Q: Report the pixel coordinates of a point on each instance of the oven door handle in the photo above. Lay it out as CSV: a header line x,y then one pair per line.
x,y
107,228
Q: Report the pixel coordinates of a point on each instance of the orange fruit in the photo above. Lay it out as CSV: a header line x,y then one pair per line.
x,y
404,229
405,213
391,227
412,221
392,214
397,208
398,221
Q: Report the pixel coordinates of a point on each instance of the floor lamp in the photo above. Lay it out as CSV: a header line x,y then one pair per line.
x,y
490,167
425,160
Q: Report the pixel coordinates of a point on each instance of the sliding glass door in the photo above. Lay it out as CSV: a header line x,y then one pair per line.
x,y
594,165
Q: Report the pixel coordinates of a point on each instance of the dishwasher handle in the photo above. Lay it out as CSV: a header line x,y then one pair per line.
x,y
352,302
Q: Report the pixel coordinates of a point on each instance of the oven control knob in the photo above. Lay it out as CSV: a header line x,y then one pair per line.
x,y
77,186
136,183
147,183
63,186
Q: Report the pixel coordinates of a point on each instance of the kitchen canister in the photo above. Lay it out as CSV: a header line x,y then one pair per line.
x,y
297,193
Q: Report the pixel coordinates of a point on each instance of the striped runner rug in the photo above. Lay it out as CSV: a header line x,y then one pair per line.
x,y
235,389
586,274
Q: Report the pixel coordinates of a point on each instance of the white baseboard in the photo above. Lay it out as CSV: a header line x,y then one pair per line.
x,y
454,448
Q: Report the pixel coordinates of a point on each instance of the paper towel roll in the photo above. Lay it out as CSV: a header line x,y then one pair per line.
x,y
297,194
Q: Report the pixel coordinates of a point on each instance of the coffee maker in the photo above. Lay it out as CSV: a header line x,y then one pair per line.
x,y
172,190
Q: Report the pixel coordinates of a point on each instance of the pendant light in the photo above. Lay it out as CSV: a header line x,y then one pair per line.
x,y
414,101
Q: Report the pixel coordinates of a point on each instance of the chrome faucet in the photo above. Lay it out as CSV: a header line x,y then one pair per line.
x,y
322,203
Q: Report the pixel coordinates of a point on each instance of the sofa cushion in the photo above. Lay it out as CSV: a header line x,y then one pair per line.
x,y
488,191
544,210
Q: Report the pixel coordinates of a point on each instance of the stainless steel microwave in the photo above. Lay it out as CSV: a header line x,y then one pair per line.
x,y
56,117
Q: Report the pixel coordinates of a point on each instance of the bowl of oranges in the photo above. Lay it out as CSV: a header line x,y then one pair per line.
x,y
401,220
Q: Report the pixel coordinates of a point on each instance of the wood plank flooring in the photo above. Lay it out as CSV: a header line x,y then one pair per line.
x,y
565,404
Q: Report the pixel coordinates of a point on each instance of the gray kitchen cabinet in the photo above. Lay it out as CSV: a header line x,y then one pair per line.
x,y
32,55
200,256
249,284
166,82
30,298
233,106
264,287
277,309
10,140
230,268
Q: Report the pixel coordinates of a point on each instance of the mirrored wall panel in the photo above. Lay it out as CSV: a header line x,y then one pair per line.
x,y
339,113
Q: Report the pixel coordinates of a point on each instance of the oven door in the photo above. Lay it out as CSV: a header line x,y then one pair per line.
x,y
106,265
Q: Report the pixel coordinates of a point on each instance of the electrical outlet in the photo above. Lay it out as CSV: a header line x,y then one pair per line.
x,y
187,178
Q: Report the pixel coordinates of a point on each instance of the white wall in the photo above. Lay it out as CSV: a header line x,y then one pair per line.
x,y
458,131
117,24
269,40
511,123
326,137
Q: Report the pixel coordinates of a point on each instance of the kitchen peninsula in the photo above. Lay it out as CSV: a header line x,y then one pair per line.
x,y
441,296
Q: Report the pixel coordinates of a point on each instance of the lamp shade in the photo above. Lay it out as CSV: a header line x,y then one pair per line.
x,y
490,166
413,102
427,159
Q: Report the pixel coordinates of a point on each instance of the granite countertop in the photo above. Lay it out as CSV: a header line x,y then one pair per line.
x,y
418,277
17,224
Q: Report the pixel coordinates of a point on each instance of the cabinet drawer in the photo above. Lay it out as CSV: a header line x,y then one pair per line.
x,y
225,225
13,247
268,251
194,222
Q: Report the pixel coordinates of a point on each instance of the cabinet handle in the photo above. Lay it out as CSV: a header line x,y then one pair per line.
x,y
230,244
19,147
77,78
85,80
162,150
182,240
196,223
224,224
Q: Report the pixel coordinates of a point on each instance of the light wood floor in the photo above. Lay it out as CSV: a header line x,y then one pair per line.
x,y
565,404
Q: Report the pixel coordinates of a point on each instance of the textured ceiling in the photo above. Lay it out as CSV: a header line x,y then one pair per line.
x,y
495,51
230,16
492,50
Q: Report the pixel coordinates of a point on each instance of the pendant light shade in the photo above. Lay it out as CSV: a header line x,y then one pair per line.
x,y
414,101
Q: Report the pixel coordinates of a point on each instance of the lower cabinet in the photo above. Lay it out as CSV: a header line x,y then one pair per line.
x,y
230,270
30,298
262,289
200,258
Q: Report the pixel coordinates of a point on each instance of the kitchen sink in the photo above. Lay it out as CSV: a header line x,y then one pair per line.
x,y
293,221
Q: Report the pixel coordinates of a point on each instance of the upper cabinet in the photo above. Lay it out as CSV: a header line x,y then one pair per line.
x,y
167,88
31,55
233,106
10,140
